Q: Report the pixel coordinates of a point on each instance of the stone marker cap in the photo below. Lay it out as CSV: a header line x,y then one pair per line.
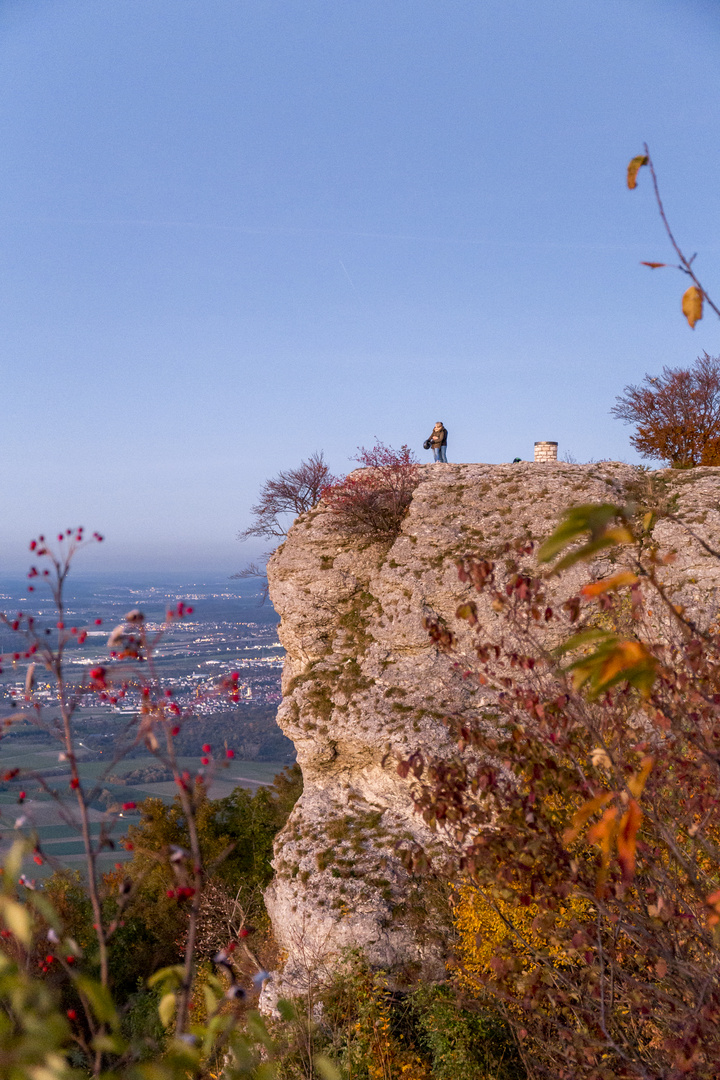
x,y
546,451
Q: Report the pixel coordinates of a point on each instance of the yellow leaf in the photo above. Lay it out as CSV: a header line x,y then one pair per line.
x,y
166,1009
652,265
633,168
621,535
468,612
17,920
692,305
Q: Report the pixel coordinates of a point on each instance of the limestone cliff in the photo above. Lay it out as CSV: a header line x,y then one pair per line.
x,y
362,682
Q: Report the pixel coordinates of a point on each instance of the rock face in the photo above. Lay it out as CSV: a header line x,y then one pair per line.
x,y
363,684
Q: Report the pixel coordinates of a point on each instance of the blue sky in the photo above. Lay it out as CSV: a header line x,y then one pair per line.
x,y
233,233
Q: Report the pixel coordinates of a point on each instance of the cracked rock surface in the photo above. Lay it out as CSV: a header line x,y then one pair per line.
x,y
363,685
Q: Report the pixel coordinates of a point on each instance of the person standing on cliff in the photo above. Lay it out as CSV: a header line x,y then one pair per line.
x,y
438,442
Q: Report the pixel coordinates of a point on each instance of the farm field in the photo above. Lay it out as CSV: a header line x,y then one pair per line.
x,y
53,821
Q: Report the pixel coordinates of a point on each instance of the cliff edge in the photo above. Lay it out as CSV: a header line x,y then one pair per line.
x,y
363,684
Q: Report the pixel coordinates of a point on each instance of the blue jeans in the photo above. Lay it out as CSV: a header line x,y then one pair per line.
x,y
440,453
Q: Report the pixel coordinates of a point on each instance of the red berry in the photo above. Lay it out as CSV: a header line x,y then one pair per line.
x,y
74,783
37,859
205,761
21,796
98,622
175,730
189,610
168,693
71,1014
69,959
207,748
230,753
244,932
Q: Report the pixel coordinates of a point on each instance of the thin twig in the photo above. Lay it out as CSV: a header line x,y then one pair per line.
x,y
685,264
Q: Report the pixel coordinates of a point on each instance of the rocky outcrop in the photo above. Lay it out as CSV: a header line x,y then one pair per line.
x,y
363,684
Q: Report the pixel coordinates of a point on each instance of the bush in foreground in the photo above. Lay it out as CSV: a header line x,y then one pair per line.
x,y
585,802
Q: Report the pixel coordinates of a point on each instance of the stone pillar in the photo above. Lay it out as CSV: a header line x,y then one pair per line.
x,y
545,451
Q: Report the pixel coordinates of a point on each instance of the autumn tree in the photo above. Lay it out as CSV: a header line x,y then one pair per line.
x,y
677,415
291,492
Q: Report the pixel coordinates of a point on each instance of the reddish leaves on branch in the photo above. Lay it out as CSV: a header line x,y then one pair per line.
x,y
373,501
586,794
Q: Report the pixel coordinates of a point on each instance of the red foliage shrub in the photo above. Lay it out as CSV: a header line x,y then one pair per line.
x,y
373,500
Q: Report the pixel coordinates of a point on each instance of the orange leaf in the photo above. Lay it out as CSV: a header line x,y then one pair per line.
x,y
653,266
626,840
633,168
602,831
603,834
627,654
625,577
692,305
583,814
637,783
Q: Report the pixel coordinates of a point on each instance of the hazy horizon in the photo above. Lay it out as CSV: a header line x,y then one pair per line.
x,y
235,233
